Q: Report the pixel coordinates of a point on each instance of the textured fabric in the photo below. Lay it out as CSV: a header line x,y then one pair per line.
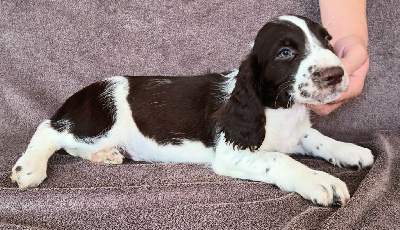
x,y
50,49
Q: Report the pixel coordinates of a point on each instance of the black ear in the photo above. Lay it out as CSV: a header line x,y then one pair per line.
x,y
242,118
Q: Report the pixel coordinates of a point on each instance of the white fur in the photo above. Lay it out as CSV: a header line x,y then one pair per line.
x,y
284,128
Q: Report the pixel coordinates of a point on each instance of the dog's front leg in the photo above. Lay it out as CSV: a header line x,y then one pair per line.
x,y
283,171
339,153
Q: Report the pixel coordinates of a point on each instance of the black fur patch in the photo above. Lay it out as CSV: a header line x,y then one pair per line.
x,y
86,114
170,109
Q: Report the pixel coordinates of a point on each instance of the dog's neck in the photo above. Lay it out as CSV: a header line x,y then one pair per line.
x,y
296,113
284,128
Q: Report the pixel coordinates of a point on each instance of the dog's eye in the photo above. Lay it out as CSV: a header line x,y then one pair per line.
x,y
285,53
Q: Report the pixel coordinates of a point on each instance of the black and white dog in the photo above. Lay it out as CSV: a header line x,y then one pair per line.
x,y
242,123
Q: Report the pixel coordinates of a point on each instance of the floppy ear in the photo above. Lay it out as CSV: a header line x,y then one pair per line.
x,y
242,118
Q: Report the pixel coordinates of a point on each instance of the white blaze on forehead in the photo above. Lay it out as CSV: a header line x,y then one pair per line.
x,y
303,26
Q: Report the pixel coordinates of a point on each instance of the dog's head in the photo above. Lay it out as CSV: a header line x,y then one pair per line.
x,y
293,62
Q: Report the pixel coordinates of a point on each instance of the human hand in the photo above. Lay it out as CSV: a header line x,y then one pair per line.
x,y
353,53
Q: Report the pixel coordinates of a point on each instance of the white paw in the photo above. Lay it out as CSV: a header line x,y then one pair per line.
x,y
29,172
351,155
110,156
323,189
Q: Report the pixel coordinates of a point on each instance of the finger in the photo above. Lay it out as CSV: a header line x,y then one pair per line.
x,y
351,52
362,71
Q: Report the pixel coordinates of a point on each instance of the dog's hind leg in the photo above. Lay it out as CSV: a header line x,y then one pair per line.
x,y
89,120
91,124
30,169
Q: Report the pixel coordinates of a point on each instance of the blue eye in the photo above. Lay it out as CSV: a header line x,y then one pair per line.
x,y
285,53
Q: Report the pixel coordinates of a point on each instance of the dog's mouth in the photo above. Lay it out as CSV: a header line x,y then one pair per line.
x,y
310,93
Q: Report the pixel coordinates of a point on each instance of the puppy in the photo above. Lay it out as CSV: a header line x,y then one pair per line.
x,y
243,123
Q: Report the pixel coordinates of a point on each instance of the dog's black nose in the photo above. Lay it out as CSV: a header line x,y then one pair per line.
x,y
332,75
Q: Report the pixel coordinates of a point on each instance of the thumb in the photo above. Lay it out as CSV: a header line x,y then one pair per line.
x,y
353,58
356,79
352,52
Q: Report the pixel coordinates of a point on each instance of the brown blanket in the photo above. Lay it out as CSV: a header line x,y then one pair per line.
x,y
50,49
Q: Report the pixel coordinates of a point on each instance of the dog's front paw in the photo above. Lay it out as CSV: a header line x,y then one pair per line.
x,y
353,156
323,189
28,172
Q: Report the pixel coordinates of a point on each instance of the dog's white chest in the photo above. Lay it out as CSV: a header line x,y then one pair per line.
x,y
284,128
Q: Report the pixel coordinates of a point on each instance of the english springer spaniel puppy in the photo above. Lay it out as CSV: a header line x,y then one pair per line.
x,y
243,123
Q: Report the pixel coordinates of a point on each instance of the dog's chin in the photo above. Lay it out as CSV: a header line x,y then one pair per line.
x,y
319,99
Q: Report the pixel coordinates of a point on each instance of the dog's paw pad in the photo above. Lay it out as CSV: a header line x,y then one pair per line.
x,y
111,156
